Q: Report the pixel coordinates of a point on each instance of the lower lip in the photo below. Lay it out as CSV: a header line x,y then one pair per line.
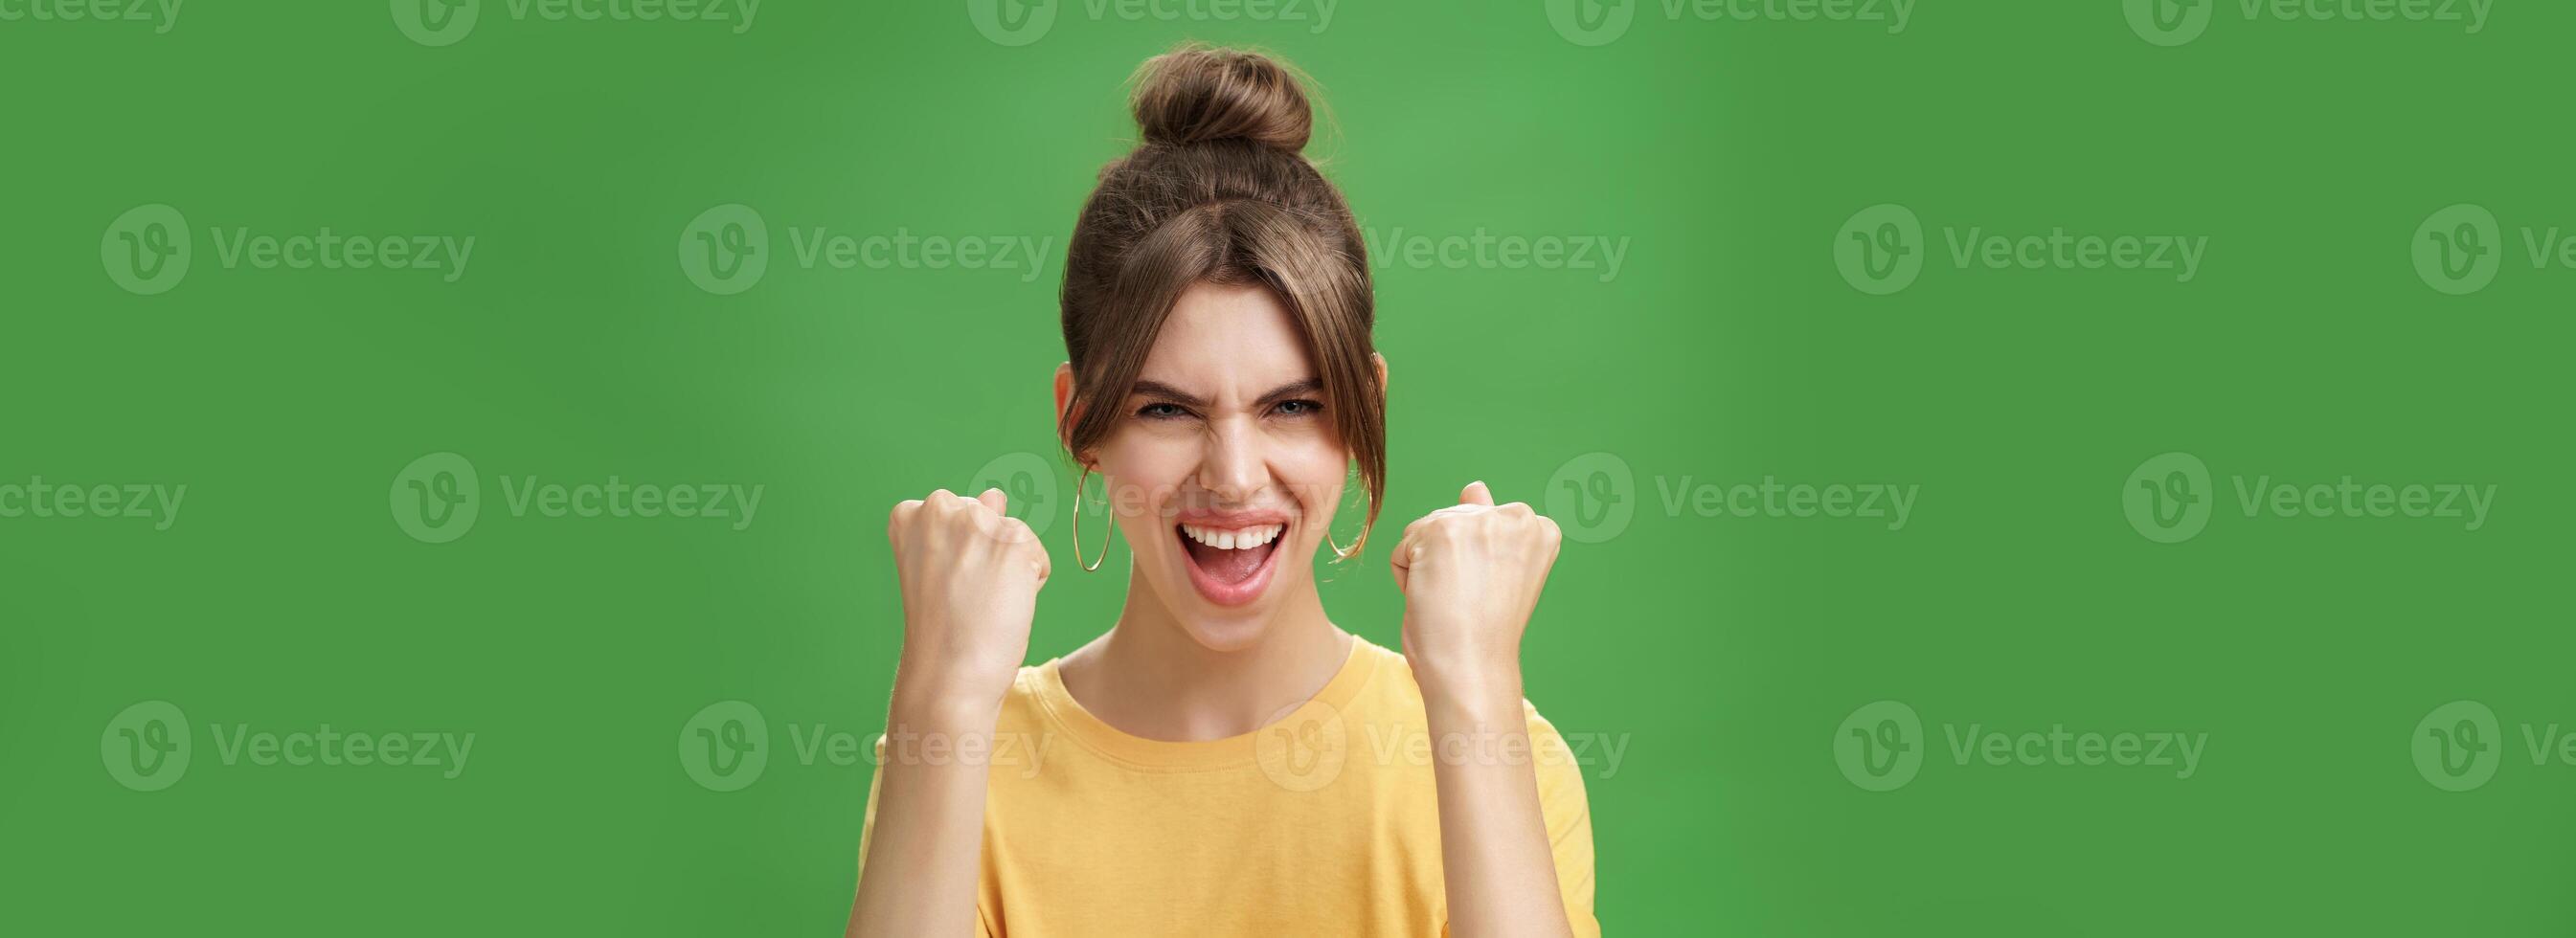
x,y
1233,594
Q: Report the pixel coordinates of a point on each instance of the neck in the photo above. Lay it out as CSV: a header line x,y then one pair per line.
x,y
1149,678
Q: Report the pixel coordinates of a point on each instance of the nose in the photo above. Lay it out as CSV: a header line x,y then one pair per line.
x,y
1236,467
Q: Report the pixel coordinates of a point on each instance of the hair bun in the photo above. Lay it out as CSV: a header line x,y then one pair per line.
x,y
1198,93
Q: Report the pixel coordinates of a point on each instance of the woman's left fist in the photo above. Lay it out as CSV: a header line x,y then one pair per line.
x,y
1471,574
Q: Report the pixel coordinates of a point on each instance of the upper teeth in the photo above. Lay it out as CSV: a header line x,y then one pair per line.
x,y
1243,539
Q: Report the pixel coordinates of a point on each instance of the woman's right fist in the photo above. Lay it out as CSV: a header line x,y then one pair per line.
x,y
970,577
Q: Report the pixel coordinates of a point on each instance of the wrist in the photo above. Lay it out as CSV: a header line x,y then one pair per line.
x,y
1476,690
924,701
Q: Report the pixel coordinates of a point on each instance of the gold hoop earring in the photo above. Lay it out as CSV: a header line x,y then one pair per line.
x,y
1338,552
1077,526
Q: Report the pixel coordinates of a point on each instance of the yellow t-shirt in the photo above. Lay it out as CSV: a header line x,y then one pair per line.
x,y
1323,823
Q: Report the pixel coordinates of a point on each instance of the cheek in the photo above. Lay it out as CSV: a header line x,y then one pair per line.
x,y
1146,468
1315,468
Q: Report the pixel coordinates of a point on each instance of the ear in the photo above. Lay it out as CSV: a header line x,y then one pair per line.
x,y
1380,361
1063,397
1063,388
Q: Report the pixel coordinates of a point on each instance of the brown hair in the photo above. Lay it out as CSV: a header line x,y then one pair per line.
x,y
1218,193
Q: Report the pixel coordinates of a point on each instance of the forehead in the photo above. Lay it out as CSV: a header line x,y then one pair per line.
x,y
1228,337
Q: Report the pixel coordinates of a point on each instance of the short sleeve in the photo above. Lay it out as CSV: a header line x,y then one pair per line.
x,y
1568,816
868,820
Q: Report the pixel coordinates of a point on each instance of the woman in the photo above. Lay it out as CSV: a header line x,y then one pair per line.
x,y
1224,760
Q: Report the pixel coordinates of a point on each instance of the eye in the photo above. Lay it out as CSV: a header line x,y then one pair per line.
x,y
1162,410
1299,408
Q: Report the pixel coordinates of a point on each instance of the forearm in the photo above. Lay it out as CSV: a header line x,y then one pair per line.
x,y
919,876
1496,864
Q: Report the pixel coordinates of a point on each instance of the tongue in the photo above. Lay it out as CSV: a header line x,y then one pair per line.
x,y
1229,566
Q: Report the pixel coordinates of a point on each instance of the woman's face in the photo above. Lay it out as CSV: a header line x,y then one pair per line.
x,y
1224,469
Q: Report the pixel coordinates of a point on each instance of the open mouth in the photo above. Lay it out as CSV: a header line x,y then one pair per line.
x,y
1230,565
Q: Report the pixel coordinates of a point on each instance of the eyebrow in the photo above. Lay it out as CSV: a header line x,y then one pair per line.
x,y
1157,389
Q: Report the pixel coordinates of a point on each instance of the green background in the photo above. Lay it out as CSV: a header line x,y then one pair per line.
x,y
1722,651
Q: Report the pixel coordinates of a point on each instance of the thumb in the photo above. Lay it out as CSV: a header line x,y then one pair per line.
x,y
1476,494
1000,503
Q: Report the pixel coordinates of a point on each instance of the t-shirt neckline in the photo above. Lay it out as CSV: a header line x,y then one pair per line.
x,y
1095,734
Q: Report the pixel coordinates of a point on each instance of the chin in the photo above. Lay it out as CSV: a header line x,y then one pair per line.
x,y
1234,630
